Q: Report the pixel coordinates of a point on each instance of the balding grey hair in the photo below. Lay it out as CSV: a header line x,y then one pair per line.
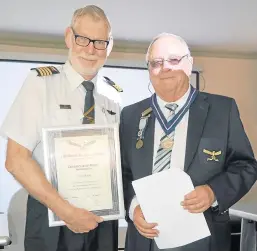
x,y
164,35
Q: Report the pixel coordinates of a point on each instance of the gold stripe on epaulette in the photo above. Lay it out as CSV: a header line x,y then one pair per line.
x,y
46,71
40,71
111,83
119,89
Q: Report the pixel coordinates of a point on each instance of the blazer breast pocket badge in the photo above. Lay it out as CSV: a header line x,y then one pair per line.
x,y
212,155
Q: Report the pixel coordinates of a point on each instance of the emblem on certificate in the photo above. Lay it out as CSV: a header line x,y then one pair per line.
x,y
83,164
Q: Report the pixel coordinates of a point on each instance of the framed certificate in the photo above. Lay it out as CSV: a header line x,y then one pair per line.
x,y
83,164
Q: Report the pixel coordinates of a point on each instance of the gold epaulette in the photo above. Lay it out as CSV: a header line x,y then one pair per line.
x,y
46,71
111,83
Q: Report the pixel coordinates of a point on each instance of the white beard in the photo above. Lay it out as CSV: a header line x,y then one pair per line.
x,y
81,69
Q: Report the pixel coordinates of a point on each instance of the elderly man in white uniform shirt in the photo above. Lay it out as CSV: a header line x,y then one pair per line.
x,y
55,96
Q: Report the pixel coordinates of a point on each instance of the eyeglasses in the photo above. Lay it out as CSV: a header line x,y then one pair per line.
x,y
158,62
85,41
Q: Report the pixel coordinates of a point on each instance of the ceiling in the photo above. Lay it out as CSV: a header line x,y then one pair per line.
x,y
221,25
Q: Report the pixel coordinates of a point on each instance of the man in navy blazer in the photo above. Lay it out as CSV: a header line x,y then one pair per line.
x,y
180,127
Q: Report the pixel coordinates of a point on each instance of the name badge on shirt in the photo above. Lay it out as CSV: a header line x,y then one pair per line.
x,y
65,106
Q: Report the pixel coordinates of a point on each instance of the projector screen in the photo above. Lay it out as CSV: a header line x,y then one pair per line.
x,y
134,81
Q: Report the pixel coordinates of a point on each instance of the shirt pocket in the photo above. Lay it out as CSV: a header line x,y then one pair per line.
x,y
61,117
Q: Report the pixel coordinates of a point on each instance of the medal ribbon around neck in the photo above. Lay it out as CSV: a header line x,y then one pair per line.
x,y
169,126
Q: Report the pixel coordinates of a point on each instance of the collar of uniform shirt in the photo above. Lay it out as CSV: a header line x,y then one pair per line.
x,y
74,78
180,102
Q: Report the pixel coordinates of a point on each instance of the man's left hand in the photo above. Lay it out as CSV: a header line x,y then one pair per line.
x,y
199,200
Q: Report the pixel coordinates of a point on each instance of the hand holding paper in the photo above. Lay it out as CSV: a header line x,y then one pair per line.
x,y
144,228
199,200
160,196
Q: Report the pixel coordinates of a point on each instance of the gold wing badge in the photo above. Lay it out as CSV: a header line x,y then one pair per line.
x,y
212,154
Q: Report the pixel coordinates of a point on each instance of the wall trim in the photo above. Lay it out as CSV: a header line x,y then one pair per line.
x,y
41,43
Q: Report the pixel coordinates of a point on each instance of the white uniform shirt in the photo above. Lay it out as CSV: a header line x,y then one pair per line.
x,y
38,105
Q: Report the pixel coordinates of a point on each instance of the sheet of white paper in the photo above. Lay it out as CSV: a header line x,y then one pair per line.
x,y
159,196
4,230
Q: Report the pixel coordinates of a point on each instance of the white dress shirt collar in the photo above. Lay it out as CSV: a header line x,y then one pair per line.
x,y
180,102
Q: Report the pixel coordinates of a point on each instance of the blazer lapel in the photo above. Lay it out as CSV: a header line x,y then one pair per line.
x,y
197,117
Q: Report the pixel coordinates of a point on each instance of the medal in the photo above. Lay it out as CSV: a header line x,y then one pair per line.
x,y
145,115
139,144
167,143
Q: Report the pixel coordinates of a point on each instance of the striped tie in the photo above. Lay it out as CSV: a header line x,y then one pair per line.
x,y
89,107
162,159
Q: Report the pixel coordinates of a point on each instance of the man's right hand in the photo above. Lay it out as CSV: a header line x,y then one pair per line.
x,y
82,221
144,228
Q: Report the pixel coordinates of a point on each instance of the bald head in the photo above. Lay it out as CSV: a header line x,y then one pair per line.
x,y
172,44
172,49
